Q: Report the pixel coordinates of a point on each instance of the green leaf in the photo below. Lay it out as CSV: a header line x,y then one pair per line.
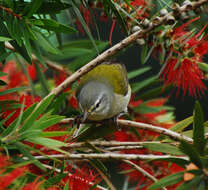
x,y
11,127
45,123
46,44
167,181
50,143
198,129
2,74
42,77
190,151
192,184
139,85
82,21
203,66
40,108
138,72
22,51
54,180
54,133
4,39
178,127
12,90
177,160
144,53
162,147
144,108
53,25
35,5
66,187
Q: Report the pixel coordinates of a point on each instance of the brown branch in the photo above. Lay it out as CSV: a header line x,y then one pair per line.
x,y
124,43
116,156
145,126
160,130
119,148
11,12
107,143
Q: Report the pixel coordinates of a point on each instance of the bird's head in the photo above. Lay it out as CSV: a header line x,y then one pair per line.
x,y
95,100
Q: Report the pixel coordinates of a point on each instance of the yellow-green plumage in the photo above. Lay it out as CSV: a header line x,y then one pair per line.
x,y
113,73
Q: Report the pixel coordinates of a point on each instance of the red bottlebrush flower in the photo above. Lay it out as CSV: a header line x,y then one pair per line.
x,y
59,78
73,102
138,3
32,71
28,101
3,161
33,185
7,179
111,32
186,76
183,71
87,17
81,179
14,76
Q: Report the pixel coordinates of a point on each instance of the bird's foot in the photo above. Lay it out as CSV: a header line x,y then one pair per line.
x,y
77,121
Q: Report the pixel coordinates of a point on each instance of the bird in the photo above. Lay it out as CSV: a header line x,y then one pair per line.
x,y
104,92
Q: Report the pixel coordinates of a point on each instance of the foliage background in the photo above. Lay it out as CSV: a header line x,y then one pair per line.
x,y
38,145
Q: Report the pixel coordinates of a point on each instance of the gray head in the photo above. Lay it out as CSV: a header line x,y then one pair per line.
x,y
95,99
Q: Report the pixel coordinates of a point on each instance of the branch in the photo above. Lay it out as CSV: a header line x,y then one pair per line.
x,y
11,12
162,131
109,156
145,126
106,144
124,43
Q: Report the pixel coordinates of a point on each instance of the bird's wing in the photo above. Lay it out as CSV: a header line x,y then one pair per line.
x,y
112,73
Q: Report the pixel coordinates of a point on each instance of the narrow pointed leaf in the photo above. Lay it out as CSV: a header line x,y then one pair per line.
x,y
40,108
198,129
138,72
178,127
167,181
190,151
162,147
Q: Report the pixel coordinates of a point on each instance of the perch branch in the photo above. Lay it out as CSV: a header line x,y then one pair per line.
x,y
145,126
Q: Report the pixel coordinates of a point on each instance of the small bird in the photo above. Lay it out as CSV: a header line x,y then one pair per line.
x,y
104,92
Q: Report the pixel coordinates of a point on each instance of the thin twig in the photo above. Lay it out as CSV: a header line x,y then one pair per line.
x,y
69,174
160,130
121,45
107,143
141,170
11,12
118,148
109,156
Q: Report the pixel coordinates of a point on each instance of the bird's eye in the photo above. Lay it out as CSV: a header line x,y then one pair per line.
x,y
97,105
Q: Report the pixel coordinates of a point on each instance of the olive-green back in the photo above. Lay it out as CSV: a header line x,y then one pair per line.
x,y
112,73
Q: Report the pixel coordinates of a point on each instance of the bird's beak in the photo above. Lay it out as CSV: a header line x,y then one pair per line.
x,y
85,116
